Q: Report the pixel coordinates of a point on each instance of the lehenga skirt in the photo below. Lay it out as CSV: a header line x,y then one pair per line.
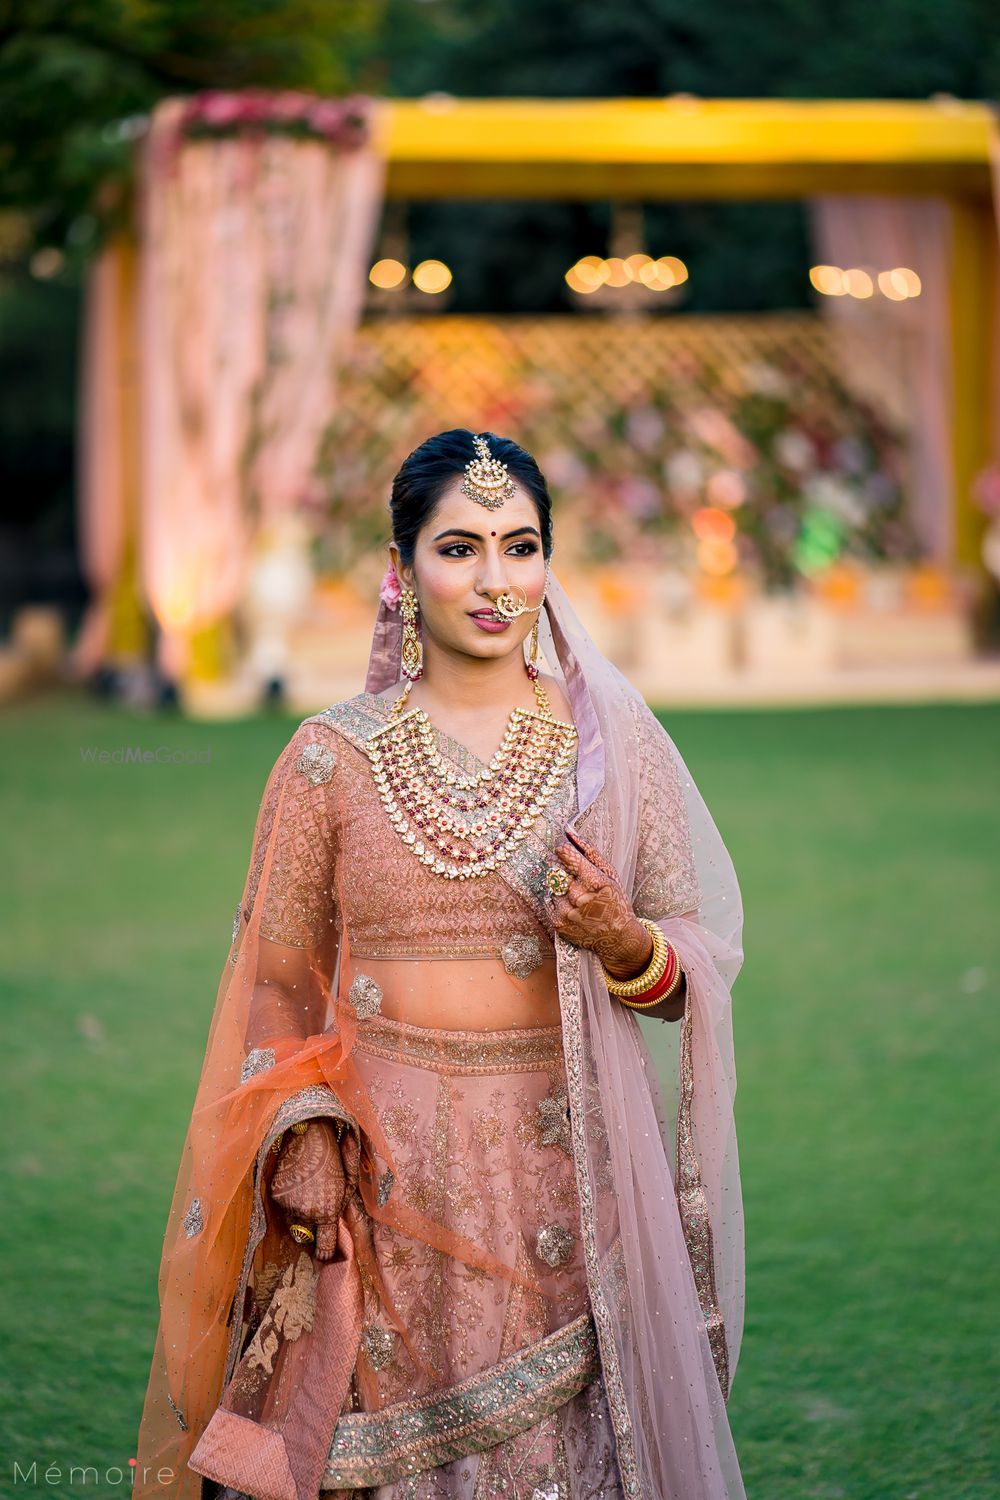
x,y
507,1398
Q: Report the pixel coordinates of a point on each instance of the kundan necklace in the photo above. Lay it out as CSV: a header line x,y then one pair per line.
x,y
467,825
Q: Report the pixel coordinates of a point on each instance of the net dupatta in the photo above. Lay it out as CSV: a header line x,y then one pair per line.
x,y
655,1152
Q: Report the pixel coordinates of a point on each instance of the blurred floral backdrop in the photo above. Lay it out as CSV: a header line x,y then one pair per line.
x,y
726,447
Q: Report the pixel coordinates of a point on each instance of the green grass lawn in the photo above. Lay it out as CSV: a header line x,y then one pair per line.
x,y
867,1024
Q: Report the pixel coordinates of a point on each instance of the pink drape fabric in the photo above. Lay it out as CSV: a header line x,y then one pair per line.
x,y
880,233
100,480
255,253
994,147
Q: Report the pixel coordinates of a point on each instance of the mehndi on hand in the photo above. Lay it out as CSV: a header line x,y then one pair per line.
x,y
311,1184
596,913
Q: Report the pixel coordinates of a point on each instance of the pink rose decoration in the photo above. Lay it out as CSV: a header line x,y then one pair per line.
x,y
390,589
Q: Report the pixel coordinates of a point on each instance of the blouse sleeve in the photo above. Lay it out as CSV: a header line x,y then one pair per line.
x,y
291,888
666,880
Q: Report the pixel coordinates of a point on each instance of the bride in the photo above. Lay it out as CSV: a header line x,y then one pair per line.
x,y
441,1228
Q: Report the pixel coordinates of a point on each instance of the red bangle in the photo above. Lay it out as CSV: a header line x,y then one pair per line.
x,y
669,980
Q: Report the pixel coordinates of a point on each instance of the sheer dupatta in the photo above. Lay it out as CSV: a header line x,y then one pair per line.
x,y
659,1186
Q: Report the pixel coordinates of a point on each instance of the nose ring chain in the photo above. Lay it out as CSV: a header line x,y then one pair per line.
x,y
508,606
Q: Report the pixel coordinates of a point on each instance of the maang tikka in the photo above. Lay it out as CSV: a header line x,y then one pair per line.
x,y
486,479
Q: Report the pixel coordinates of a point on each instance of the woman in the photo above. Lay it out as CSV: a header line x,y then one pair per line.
x,y
440,1230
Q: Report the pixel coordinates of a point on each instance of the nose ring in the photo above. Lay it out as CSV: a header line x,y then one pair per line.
x,y
507,605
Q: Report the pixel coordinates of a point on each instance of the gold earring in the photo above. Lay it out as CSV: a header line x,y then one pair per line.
x,y
532,663
412,654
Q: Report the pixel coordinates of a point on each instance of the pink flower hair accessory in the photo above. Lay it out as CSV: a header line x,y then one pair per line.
x,y
390,588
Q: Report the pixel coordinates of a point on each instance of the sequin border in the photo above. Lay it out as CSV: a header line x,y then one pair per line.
x,y
692,1205
373,1448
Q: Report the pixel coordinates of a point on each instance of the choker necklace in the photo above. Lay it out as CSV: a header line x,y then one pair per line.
x,y
463,826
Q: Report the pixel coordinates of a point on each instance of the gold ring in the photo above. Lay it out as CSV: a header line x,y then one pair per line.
x,y
301,1232
557,880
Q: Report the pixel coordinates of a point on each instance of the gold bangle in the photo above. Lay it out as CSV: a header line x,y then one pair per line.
x,y
671,989
651,974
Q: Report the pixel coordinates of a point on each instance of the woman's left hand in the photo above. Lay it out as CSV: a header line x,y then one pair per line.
x,y
595,912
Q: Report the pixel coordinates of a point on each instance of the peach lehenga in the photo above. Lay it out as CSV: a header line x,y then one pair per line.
x,y
537,1290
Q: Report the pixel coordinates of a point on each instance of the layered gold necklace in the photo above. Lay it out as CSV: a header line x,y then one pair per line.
x,y
467,825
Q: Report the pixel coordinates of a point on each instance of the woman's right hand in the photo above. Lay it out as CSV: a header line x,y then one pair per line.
x,y
310,1182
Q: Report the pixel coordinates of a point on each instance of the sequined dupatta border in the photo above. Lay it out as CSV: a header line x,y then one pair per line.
x,y
696,1221
568,960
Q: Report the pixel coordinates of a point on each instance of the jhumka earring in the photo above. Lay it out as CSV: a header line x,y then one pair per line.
x,y
412,653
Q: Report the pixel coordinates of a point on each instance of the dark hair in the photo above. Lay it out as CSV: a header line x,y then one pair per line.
x,y
426,473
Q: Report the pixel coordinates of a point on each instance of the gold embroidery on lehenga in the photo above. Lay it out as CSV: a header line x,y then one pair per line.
x,y
519,1391
487,1129
505,1469
380,1344
521,1049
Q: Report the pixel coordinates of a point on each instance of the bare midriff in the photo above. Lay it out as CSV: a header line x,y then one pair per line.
x,y
464,994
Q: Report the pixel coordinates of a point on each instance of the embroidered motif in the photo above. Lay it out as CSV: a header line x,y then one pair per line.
x,y
554,1244
193,1222
365,995
176,1411
289,1314
386,1183
522,954
258,1060
551,1490
554,1124
407,1437
316,763
487,1129
264,1284
380,1344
